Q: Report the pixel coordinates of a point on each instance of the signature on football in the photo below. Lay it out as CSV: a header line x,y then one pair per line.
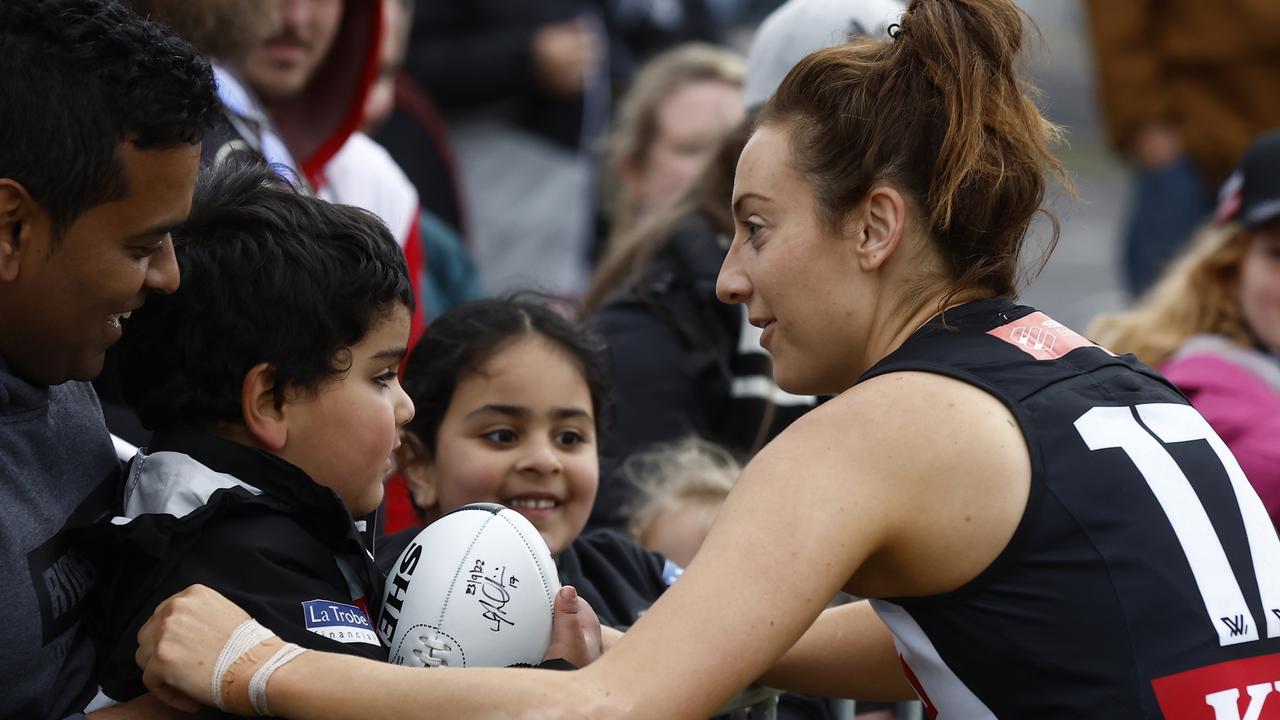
x,y
492,592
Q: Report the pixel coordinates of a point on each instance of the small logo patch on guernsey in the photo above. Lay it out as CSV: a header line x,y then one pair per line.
x,y
338,621
1041,337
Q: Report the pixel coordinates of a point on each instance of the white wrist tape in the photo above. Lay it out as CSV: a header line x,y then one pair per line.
x,y
245,636
258,683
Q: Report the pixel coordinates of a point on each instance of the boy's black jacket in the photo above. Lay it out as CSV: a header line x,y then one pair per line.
x,y
268,553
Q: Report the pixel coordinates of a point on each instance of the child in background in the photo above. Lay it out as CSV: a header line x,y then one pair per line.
x,y
269,378
683,484
509,398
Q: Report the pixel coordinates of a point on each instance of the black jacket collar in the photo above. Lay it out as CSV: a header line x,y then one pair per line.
x,y
315,506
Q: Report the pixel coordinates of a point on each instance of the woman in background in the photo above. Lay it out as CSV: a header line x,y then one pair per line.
x,y
681,104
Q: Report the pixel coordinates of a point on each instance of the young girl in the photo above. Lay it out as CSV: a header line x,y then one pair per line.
x,y
510,397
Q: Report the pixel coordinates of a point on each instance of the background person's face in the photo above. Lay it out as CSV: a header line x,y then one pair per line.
x,y
282,66
63,310
690,124
1260,284
395,42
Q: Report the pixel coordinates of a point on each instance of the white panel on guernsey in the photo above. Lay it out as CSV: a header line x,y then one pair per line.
x,y
124,449
937,685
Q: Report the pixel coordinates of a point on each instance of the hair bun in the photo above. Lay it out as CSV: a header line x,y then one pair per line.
x,y
940,113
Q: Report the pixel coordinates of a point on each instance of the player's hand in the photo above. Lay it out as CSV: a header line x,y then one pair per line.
x,y
179,644
575,630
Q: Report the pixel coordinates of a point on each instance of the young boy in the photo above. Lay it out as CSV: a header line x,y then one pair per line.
x,y
269,378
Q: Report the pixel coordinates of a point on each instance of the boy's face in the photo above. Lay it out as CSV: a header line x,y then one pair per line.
x,y
520,432
61,302
344,433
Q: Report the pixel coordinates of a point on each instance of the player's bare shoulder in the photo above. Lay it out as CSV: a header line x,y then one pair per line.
x,y
948,467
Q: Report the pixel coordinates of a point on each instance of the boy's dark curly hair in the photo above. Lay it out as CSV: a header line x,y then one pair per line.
x,y
80,78
269,275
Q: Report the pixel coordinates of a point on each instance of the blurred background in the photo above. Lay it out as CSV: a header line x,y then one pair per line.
x,y
1083,277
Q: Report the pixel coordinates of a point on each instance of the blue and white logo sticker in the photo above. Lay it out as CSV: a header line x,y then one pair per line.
x,y
338,621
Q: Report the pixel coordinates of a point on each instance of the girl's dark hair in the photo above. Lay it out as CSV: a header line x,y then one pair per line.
x,y
466,336
941,114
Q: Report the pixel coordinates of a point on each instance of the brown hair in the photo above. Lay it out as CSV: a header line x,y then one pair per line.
x,y
708,194
1198,293
939,113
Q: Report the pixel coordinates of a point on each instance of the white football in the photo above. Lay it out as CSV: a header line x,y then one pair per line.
x,y
474,589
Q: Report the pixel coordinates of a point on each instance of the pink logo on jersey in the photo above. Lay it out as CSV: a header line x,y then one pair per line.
x,y
1040,336
1248,688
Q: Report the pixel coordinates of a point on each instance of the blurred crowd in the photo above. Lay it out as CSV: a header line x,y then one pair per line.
x,y
586,150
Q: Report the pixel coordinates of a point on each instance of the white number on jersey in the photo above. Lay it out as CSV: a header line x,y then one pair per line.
x,y
1119,427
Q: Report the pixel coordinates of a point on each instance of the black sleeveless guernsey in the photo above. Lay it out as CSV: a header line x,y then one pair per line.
x,y
1143,580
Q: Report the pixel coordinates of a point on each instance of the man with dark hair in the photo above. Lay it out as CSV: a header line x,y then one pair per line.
x,y
225,32
101,115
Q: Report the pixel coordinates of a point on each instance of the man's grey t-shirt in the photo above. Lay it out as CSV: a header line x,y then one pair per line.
x,y
57,471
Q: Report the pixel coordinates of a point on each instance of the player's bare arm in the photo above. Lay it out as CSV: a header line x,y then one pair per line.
x,y
866,484
847,652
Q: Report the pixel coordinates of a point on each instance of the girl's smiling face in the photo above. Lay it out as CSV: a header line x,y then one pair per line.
x,y
520,431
